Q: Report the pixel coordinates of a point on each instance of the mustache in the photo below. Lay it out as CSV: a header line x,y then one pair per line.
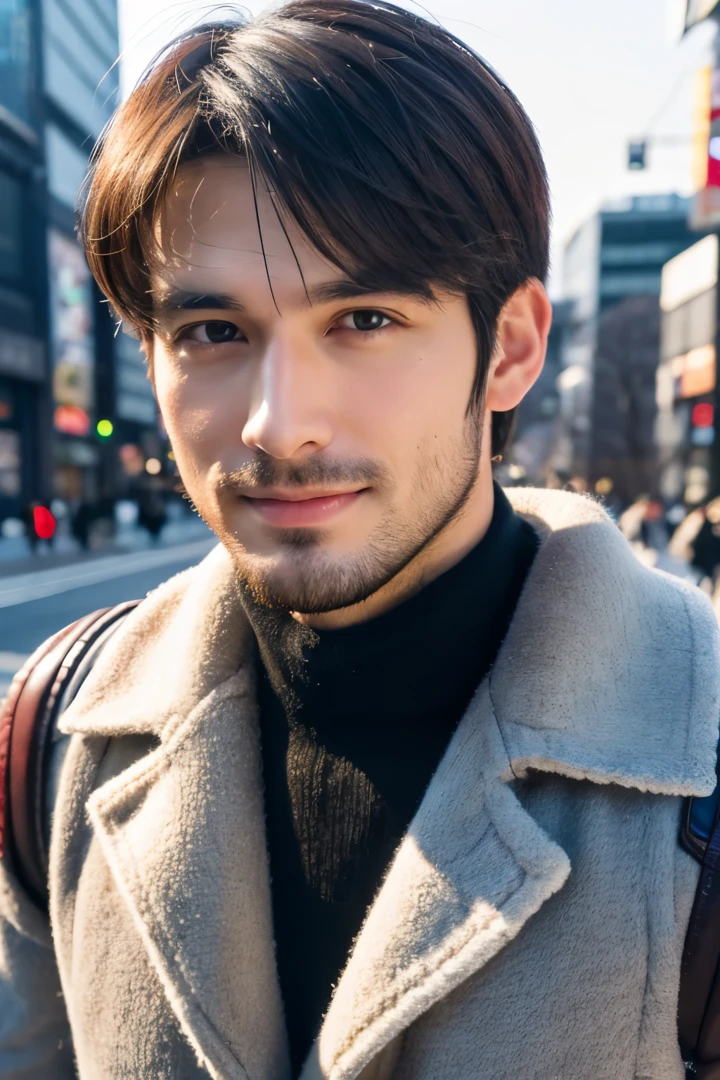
x,y
264,471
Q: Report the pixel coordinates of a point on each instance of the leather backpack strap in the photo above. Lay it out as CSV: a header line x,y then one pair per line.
x,y
26,721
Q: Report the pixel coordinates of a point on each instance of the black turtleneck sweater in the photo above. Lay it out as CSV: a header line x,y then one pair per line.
x,y
354,723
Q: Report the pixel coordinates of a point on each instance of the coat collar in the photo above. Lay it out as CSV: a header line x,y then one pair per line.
x,y
183,641
609,672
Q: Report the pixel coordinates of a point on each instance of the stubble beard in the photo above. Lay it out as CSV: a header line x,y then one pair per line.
x,y
313,582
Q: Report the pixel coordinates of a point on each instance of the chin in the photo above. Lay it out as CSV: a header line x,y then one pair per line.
x,y
310,582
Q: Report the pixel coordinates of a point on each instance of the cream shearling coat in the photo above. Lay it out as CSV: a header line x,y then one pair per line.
x,y
532,921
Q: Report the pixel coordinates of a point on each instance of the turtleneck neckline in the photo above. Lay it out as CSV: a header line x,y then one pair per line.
x,y
386,669
353,724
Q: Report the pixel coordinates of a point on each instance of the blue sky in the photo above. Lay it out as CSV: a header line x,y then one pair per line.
x,y
590,75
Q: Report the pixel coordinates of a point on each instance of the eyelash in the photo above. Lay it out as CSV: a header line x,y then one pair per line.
x,y
183,334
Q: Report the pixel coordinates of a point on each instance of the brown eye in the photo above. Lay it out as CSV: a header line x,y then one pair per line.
x,y
213,333
364,320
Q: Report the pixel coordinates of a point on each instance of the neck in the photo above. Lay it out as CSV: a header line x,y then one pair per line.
x,y
449,547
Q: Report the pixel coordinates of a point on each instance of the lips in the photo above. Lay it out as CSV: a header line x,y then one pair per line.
x,y
293,514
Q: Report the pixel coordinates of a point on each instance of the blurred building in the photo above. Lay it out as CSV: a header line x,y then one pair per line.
x,y
63,368
23,347
98,374
80,87
612,278
686,376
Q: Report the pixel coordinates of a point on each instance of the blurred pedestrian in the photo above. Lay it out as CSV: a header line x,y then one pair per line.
x,y
631,519
686,531
81,523
706,545
39,524
654,531
152,513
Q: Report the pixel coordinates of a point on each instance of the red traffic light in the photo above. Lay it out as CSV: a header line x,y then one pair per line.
x,y
44,522
703,415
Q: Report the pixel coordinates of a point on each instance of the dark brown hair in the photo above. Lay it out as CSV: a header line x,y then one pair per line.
x,y
396,149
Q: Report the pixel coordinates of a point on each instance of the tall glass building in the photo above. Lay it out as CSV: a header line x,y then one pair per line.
x,y
80,89
612,274
23,357
63,367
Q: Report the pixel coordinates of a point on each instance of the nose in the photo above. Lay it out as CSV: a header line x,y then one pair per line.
x,y
289,414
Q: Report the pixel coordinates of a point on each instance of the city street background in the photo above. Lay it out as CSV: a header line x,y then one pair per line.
x,y
36,603
625,98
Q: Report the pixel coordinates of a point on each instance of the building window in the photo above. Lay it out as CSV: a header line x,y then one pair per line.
x,y
15,58
11,221
66,166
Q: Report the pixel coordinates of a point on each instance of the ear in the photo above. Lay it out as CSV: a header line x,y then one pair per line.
x,y
521,341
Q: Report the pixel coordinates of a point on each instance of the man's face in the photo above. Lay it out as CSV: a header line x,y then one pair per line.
x,y
326,441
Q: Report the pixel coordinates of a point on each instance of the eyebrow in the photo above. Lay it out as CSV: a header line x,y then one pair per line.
x,y
176,299
182,300
341,289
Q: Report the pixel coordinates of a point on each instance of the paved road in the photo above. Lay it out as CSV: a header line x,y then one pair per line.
x,y
37,604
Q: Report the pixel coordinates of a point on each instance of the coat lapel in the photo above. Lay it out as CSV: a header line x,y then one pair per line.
x,y
184,837
182,830
473,868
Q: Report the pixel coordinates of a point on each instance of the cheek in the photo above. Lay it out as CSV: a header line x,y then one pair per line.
x,y
202,415
414,400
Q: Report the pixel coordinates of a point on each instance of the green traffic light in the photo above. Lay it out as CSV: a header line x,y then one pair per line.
x,y
104,428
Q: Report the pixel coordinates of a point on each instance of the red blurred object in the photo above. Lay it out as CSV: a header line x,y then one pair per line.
x,y
654,510
703,415
44,522
72,420
713,179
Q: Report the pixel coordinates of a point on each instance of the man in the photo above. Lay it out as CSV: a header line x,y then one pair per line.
x,y
389,785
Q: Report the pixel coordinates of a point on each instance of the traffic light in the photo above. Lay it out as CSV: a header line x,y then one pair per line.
x,y
703,415
637,152
104,428
702,419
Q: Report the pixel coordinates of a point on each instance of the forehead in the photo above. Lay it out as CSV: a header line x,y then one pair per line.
x,y
214,229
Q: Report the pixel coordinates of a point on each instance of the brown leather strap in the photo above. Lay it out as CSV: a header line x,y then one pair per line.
x,y
26,722
7,714
24,738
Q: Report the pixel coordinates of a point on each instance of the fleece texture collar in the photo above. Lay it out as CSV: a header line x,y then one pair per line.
x,y
609,672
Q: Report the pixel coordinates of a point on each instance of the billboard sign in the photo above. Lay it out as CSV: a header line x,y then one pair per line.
x,y
690,273
71,334
697,374
705,210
